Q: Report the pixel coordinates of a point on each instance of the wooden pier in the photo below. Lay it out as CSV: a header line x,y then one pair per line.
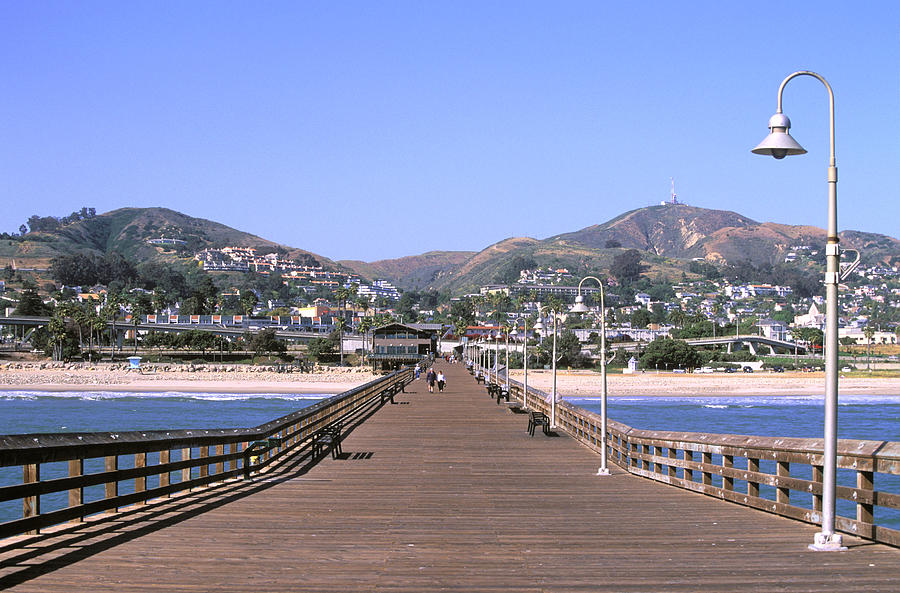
x,y
443,492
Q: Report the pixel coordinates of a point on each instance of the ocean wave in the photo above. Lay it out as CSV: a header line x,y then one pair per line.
x,y
99,396
717,406
740,401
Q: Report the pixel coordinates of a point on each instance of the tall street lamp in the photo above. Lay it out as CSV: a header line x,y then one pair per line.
x,y
779,144
506,332
514,333
540,327
497,357
580,307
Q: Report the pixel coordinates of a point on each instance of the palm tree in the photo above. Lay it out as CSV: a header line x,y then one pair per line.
x,y
869,332
364,325
341,295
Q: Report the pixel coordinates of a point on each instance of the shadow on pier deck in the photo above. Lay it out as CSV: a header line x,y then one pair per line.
x,y
446,492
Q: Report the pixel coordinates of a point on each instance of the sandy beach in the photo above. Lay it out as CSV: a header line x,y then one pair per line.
x,y
178,378
330,380
587,384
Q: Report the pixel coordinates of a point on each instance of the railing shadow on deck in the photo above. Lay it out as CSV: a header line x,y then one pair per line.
x,y
767,481
286,454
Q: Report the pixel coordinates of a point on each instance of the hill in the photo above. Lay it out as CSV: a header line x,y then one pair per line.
x,y
668,237
681,231
127,231
413,272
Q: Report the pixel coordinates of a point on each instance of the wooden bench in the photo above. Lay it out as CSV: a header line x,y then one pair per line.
x,y
390,392
503,393
539,419
328,438
493,390
479,378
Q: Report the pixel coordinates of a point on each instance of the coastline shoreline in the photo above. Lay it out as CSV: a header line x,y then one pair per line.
x,y
569,383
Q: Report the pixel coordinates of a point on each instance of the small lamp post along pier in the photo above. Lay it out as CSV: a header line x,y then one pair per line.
x,y
514,333
580,307
779,144
506,372
539,326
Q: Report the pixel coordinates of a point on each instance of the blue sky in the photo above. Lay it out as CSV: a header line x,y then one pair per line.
x,y
370,130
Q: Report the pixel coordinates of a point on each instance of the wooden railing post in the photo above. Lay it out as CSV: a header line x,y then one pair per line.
x,y
111,489
76,495
865,512
707,461
688,457
186,472
31,505
204,453
673,470
728,481
165,478
220,465
232,450
818,478
783,494
752,485
140,483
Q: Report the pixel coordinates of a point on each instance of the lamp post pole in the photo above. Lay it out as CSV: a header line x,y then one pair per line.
x,y
524,360
779,144
580,307
553,394
497,358
507,359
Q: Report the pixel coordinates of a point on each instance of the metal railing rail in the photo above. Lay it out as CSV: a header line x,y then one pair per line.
x,y
165,463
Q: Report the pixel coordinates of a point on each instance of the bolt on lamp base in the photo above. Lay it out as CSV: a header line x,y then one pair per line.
x,y
828,543
603,471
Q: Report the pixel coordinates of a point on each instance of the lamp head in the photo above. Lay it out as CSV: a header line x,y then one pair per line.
x,y
539,326
579,306
779,143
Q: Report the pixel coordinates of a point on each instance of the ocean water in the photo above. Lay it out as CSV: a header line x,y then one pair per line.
x,y
25,412
859,416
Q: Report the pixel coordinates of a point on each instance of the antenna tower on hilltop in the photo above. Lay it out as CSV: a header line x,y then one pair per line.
x,y
673,201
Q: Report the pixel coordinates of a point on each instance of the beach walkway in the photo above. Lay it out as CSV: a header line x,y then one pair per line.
x,y
447,492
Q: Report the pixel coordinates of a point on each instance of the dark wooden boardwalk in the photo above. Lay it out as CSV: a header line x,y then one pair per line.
x,y
447,492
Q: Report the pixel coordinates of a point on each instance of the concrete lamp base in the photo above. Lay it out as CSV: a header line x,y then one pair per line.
x,y
828,543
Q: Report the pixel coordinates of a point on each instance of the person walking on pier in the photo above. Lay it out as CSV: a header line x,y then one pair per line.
x,y
440,381
430,378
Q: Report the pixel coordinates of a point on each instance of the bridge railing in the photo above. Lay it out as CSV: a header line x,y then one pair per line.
x,y
773,474
132,468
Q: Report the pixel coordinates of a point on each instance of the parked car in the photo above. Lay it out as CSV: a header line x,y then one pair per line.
x,y
777,369
748,369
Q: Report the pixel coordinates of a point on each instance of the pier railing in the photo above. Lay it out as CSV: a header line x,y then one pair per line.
x,y
777,475
117,470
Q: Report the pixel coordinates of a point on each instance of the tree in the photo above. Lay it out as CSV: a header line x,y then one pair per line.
x,y
869,333
641,318
264,342
627,267
30,303
363,327
670,353
248,302
568,349
677,317
321,349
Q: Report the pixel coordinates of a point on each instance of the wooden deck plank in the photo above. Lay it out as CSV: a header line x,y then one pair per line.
x,y
471,506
